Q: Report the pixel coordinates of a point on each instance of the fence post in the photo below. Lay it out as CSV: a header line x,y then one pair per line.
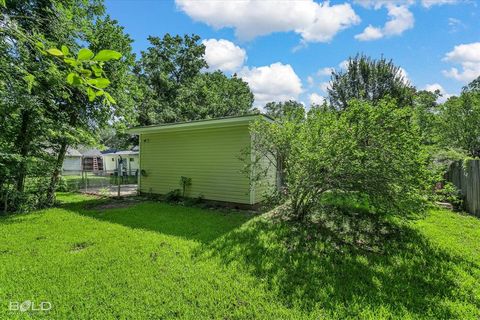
x,y
84,175
118,183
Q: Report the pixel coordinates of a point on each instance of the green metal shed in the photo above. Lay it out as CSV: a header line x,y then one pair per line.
x,y
207,151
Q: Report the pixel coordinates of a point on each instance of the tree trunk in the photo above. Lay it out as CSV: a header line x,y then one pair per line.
x,y
23,142
56,173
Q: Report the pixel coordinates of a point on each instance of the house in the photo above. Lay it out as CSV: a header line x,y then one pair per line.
x,y
92,160
127,161
72,161
208,153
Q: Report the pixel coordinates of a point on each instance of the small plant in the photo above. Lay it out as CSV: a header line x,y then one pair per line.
x,y
449,193
173,196
104,192
185,182
62,185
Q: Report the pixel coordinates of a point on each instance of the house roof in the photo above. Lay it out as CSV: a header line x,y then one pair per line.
x,y
197,124
92,153
72,153
121,153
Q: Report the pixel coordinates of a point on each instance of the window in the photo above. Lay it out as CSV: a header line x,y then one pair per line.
x,y
131,159
113,159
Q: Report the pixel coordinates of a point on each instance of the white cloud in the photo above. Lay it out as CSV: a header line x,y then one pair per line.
x,y
370,33
404,74
276,82
343,65
434,87
327,71
310,80
377,4
324,86
315,22
223,55
468,56
430,3
315,98
401,19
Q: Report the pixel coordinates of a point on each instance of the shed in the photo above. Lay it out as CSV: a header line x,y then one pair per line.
x,y
72,161
92,160
209,152
128,160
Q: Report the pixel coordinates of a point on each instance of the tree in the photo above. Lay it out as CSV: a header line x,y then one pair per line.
x,y
370,80
367,150
166,66
473,86
278,110
213,95
459,123
425,109
50,109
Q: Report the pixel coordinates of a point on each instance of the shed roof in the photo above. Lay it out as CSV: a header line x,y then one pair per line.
x,y
198,124
121,153
73,153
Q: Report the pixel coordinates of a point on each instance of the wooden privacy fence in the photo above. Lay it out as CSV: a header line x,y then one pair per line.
x,y
466,177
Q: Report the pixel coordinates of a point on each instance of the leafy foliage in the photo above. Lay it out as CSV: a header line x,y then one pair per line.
x,y
372,151
370,80
43,87
291,108
174,88
459,123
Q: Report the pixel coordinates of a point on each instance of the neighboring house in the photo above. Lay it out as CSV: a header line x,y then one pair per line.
x,y
208,152
92,160
72,161
127,161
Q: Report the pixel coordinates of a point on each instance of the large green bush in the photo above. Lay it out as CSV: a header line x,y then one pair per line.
x,y
372,151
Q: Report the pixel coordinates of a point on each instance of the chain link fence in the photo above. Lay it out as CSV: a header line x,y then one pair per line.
x,y
100,182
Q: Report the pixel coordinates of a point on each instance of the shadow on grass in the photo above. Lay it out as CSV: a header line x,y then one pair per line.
x,y
187,222
407,277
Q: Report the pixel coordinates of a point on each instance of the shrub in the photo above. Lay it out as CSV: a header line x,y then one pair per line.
x,y
173,196
372,151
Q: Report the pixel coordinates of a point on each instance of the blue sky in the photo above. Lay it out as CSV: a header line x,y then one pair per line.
x,y
283,49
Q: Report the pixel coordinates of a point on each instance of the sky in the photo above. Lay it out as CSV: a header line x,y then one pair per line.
x,y
287,49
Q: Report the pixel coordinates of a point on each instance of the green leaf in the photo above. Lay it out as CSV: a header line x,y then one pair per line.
x,y
91,94
71,62
3,3
85,54
100,93
55,52
29,79
71,77
92,82
103,83
97,70
65,50
39,44
110,98
86,72
106,55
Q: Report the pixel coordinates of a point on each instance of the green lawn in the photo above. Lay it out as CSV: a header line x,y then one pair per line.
x,y
153,260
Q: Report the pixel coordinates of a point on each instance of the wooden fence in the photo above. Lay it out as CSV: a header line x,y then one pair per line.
x,y
466,177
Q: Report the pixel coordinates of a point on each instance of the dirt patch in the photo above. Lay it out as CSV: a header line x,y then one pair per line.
x,y
112,205
79,246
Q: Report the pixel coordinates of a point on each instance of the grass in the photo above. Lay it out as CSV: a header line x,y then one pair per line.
x,y
131,260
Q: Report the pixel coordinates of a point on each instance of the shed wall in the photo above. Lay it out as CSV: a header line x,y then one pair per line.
x,y
210,157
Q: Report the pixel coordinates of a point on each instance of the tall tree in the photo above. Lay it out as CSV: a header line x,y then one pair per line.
x,y
213,95
170,63
279,110
371,80
459,123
